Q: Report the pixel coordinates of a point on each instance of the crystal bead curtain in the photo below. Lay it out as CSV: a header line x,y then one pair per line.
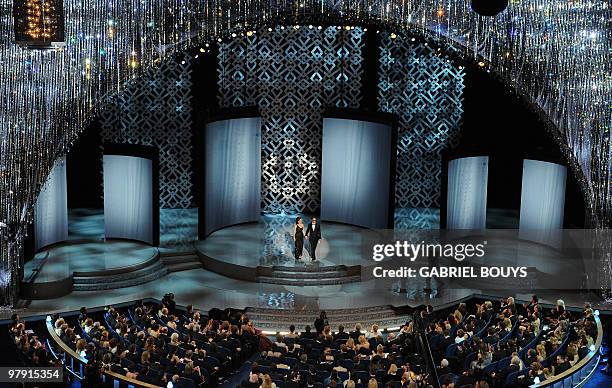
x,y
553,52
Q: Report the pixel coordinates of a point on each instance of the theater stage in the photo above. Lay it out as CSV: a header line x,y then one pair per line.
x,y
263,252
90,265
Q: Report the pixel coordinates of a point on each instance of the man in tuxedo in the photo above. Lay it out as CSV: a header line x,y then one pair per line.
x,y
313,234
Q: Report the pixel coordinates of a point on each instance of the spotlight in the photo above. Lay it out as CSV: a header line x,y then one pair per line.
x,y
489,7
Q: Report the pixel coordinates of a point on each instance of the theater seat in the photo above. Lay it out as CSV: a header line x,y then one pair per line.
x,y
185,383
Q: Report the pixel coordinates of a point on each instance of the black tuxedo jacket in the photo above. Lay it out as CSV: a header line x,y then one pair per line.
x,y
313,235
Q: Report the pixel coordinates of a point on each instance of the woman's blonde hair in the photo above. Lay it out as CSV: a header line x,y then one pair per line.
x,y
372,383
267,381
508,323
80,345
144,357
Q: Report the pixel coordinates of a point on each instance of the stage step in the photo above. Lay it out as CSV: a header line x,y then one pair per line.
x,y
280,320
309,268
181,261
365,314
334,312
165,254
308,275
120,280
178,267
309,281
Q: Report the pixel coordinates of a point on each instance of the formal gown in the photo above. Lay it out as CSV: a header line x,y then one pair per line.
x,y
299,242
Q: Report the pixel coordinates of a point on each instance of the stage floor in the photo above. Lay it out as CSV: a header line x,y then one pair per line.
x,y
207,290
269,243
265,245
63,260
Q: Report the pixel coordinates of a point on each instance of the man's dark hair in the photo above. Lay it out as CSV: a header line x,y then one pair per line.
x,y
340,329
292,328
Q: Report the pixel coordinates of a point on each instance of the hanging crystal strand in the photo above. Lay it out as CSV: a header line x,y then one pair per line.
x,y
557,60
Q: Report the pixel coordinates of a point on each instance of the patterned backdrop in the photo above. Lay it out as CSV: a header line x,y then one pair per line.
x,y
155,110
291,75
425,90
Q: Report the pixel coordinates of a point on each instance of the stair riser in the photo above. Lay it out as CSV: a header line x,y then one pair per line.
x,y
307,275
330,315
310,282
183,267
309,269
179,260
110,285
121,277
349,325
365,310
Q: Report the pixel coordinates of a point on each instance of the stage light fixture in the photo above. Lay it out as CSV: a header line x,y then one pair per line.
x,y
489,7
39,24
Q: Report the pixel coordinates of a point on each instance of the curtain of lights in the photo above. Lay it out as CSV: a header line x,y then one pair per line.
x,y
554,52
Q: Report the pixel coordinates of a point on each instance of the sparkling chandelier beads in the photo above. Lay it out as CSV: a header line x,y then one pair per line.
x,y
553,52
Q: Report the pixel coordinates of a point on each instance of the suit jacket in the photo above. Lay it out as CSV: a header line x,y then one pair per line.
x,y
562,367
313,235
341,336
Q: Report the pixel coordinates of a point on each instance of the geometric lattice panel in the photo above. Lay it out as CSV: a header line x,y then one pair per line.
x,y
292,75
425,90
155,110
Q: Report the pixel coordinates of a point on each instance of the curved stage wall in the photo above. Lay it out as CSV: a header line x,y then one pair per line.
x,y
356,177
51,211
542,202
467,193
542,195
131,199
232,173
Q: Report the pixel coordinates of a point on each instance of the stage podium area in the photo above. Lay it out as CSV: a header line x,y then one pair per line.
x,y
264,252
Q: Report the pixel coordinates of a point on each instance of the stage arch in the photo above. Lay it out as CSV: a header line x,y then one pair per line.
x,y
63,122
